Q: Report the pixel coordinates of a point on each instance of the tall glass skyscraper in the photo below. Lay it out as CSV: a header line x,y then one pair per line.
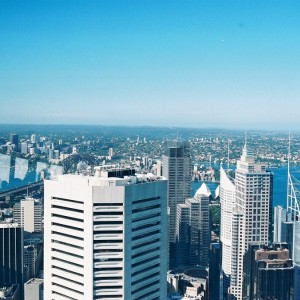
x,y
193,230
177,169
11,254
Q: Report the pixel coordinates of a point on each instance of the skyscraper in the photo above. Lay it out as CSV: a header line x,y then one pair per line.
x,y
14,140
227,200
106,236
280,216
28,213
268,273
200,227
11,254
33,138
33,289
250,216
192,230
32,260
214,271
177,169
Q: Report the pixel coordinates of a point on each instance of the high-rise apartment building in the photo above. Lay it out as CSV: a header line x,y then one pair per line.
x,y
177,169
28,214
11,255
105,236
250,217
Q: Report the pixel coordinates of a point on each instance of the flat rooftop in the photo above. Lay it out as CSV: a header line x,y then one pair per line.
x,y
109,177
34,281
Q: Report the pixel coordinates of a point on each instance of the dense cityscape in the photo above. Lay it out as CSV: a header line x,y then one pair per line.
x,y
149,150
196,198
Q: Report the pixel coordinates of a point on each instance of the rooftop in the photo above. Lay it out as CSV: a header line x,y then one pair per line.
x,y
8,223
109,176
34,281
7,290
203,190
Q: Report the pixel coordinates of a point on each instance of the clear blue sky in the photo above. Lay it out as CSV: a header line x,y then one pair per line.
x,y
170,63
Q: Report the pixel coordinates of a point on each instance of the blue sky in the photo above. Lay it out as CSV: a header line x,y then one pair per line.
x,y
232,64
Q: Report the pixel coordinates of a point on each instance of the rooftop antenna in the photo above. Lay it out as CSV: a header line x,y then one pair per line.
x,y
228,154
293,205
289,152
288,172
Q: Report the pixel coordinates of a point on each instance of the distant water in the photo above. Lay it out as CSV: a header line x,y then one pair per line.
x,y
279,184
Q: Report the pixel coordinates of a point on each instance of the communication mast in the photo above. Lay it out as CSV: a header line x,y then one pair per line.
x,y
293,190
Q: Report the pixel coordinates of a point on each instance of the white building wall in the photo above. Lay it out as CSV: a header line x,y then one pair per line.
x,y
253,194
227,200
28,213
98,240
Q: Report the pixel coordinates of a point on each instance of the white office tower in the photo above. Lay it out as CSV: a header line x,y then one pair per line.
x,y
56,154
237,253
28,214
111,152
158,168
33,138
280,217
177,169
227,200
105,236
33,289
254,186
245,216
24,148
251,213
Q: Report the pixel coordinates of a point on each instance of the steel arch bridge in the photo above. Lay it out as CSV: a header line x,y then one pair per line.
x,y
70,163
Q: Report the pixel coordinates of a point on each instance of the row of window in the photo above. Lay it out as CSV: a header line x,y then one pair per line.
x,y
66,217
67,288
67,200
67,208
66,244
67,235
66,226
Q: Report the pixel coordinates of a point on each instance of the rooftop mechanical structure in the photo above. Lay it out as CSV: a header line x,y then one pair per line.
x,y
80,163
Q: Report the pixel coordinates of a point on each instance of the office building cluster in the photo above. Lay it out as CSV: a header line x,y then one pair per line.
x,y
253,267
116,233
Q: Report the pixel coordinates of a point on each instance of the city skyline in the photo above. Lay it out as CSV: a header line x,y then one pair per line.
x,y
192,64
